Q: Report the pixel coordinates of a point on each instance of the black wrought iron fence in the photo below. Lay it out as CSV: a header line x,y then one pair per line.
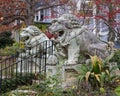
x,y
19,69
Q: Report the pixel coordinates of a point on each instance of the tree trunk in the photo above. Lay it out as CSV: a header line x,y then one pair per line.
x,y
29,20
30,13
111,35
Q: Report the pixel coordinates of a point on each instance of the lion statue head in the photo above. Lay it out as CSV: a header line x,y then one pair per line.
x,y
66,21
30,31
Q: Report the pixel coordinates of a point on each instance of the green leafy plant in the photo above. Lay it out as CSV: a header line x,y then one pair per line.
x,y
82,70
14,82
12,50
92,72
117,91
116,58
50,85
96,76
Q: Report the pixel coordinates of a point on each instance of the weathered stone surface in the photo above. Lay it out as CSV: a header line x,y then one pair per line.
x,y
73,39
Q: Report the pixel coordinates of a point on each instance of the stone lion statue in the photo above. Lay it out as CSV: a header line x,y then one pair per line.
x,y
35,40
37,44
75,40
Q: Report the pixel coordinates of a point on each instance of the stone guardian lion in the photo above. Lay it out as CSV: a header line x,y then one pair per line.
x,y
75,40
37,45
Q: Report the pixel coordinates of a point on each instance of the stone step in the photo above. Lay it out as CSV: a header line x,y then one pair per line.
x,y
26,92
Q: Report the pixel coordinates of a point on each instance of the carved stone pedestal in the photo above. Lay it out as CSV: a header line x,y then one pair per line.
x,y
68,74
51,70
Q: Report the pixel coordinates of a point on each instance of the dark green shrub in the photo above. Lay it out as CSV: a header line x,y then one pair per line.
x,y
13,83
116,58
5,39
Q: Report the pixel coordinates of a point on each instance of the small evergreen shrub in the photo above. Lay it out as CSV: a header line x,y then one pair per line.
x,y
5,39
13,83
116,58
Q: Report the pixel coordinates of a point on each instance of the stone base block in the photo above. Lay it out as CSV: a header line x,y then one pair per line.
x,y
68,74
